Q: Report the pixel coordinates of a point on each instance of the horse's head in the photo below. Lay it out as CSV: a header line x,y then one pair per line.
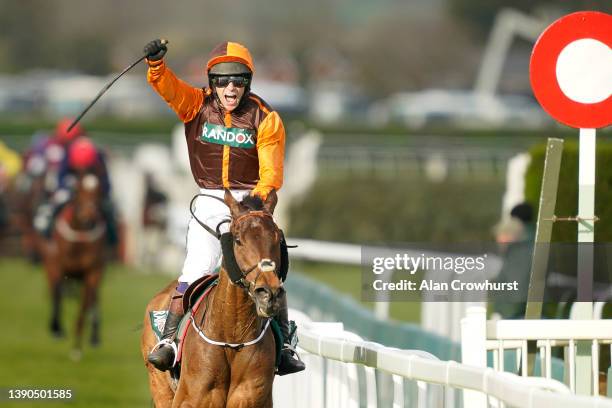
x,y
87,200
256,249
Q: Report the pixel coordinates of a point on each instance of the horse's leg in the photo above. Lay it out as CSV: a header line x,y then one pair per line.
x,y
90,284
159,385
94,309
94,312
253,392
56,308
252,376
205,376
54,279
159,382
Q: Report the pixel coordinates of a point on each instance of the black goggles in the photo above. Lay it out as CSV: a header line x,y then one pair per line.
x,y
223,81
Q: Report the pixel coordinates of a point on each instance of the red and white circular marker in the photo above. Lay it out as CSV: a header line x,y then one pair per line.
x,y
571,70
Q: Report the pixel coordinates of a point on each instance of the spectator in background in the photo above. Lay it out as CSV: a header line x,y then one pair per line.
x,y
515,237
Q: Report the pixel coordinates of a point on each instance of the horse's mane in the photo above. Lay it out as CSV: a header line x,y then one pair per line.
x,y
253,203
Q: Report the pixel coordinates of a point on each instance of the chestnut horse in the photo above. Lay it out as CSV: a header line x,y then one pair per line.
x,y
214,375
76,250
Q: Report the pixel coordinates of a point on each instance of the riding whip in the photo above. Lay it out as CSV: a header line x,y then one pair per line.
x,y
163,42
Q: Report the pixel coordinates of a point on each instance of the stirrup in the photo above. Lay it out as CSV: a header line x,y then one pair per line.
x,y
292,349
291,361
167,342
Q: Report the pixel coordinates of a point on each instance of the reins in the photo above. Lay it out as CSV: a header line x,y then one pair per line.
x,y
217,233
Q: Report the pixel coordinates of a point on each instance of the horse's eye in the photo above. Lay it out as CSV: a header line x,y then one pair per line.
x,y
237,241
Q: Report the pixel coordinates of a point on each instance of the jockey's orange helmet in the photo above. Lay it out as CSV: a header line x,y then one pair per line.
x,y
62,134
230,58
83,154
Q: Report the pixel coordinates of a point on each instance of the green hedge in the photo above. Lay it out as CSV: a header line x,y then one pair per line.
x,y
567,196
373,210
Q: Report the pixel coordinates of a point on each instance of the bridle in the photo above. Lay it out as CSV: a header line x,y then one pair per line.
x,y
237,275
264,265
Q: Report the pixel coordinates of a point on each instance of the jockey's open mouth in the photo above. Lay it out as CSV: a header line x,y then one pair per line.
x,y
231,98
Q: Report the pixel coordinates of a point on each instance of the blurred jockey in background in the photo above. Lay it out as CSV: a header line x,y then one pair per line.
x,y
38,181
82,157
48,154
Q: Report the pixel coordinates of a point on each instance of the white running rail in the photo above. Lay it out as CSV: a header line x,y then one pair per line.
x,y
330,341
481,336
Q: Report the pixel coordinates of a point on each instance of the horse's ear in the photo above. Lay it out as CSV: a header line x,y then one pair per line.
x,y
271,201
234,206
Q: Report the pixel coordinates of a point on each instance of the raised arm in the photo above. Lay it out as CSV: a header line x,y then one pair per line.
x,y
183,98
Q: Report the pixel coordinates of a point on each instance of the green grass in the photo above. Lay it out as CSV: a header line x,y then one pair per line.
x,y
346,279
112,375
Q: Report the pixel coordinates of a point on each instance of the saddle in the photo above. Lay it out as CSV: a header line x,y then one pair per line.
x,y
196,290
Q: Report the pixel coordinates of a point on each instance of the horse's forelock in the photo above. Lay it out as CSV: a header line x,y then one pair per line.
x,y
252,203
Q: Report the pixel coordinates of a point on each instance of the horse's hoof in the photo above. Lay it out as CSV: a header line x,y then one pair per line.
x,y
95,341
57,332
76,355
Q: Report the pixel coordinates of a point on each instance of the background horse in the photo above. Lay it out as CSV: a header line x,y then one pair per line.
x,y
26,203
217,376
76,250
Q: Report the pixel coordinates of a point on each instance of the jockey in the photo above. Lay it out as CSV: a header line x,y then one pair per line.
x,y
84,157
250,163
51,152
46,158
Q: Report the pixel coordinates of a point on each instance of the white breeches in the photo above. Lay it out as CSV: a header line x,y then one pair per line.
x,y
203,249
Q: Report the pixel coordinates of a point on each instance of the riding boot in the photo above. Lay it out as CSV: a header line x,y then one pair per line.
x,y
163,354
290,361
108,213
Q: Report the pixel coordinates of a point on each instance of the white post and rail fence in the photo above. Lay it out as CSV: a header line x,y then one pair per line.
x,y
335,358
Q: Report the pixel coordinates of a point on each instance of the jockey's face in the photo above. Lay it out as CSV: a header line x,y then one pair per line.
x,y
230,95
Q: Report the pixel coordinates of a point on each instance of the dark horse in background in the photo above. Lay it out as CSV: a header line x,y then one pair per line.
x,y
213,375
76,250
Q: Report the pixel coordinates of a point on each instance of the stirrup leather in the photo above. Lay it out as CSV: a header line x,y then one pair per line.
x,y
292,341
167,342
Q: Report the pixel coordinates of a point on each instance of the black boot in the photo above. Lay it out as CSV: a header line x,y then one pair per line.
x,y
290,361
163,354
112,232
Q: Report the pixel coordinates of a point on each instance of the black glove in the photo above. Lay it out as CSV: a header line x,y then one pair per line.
x,y
155,50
